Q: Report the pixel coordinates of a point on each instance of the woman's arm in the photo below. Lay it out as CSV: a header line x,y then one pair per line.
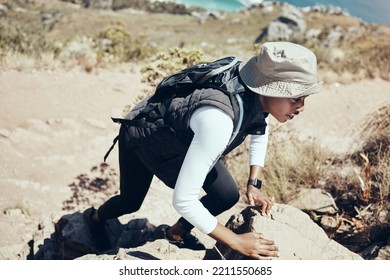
x,y
256,196
212,130
257,154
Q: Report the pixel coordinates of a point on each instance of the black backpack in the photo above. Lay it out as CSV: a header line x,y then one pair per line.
x,y
221,74
218,74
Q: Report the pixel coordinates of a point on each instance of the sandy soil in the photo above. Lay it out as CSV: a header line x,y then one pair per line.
x,y
56,125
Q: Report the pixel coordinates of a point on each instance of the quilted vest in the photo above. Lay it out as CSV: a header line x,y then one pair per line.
x,y
162,144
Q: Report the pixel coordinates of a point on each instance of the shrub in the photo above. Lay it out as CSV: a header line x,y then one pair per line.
x,y
365,204
364,56
291,164
374,154
17,40
116,43
164,64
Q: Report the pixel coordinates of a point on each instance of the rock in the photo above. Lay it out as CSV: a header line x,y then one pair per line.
x,y
14,213
98,4
14,252
155,6
134,240
290,25
334,38
384,252
314,200
156,250
313,33
96,123
3,10
70,239
5,133
278,31
330,10
137,232
296,235
330,224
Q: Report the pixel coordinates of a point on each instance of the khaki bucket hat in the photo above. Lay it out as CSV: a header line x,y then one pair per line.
x,y
282,69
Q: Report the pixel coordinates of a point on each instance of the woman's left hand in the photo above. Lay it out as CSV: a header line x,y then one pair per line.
x,y
257,197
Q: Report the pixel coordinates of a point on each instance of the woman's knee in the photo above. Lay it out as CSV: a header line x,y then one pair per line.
x,y
231,199
129,207
222,201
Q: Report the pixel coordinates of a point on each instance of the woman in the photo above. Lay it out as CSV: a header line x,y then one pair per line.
x,y
184,148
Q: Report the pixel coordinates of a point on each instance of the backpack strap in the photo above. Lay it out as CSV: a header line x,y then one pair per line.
x,y
216,71
240,117
112,147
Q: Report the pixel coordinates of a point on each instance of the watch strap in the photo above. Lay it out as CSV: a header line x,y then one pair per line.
x,y
255,182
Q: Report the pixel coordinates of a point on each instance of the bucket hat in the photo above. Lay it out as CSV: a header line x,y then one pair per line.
x,y
281,69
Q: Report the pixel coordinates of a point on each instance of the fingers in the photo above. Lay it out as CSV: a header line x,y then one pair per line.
x,y
250,200
265,202
266,247
266,242
266,206
269,253
258,247
261,238
266,253
270,204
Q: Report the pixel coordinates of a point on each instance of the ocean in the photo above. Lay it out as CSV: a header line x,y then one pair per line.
x,y
371,11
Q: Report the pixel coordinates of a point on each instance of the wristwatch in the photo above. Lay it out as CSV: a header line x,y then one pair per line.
x,y
255,182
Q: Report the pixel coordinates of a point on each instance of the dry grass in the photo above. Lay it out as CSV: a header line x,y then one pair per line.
x,y
23,31
290,164
376,150
293,164
364,193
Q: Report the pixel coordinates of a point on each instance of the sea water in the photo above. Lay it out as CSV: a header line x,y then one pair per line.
x,y
370,11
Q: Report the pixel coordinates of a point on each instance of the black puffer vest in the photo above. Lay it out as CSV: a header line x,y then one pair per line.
x,y
161,143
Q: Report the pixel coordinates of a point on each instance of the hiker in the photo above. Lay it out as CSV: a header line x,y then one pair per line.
x,y
182,139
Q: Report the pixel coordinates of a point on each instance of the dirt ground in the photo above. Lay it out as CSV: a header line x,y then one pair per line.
x,y
55,125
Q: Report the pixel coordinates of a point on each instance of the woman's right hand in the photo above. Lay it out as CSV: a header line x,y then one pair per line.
x,y
254,245
250,244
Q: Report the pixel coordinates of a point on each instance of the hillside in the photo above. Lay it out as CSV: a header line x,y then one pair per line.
x,y
66,69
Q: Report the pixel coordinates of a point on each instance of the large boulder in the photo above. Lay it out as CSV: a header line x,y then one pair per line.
x,y
296,235
316,200
289,25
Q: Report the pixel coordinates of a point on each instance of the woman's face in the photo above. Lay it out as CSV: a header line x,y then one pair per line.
x,y
281,108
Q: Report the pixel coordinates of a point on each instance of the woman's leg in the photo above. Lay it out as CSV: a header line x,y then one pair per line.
x,y
135,180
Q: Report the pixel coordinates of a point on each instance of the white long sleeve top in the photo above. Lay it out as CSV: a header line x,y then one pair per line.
x,y
212,131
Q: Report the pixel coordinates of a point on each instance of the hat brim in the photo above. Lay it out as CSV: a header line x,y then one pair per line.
x,y
264,85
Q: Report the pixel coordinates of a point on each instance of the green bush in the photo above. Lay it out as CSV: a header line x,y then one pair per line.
x,y
116,42
162,65
17,40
